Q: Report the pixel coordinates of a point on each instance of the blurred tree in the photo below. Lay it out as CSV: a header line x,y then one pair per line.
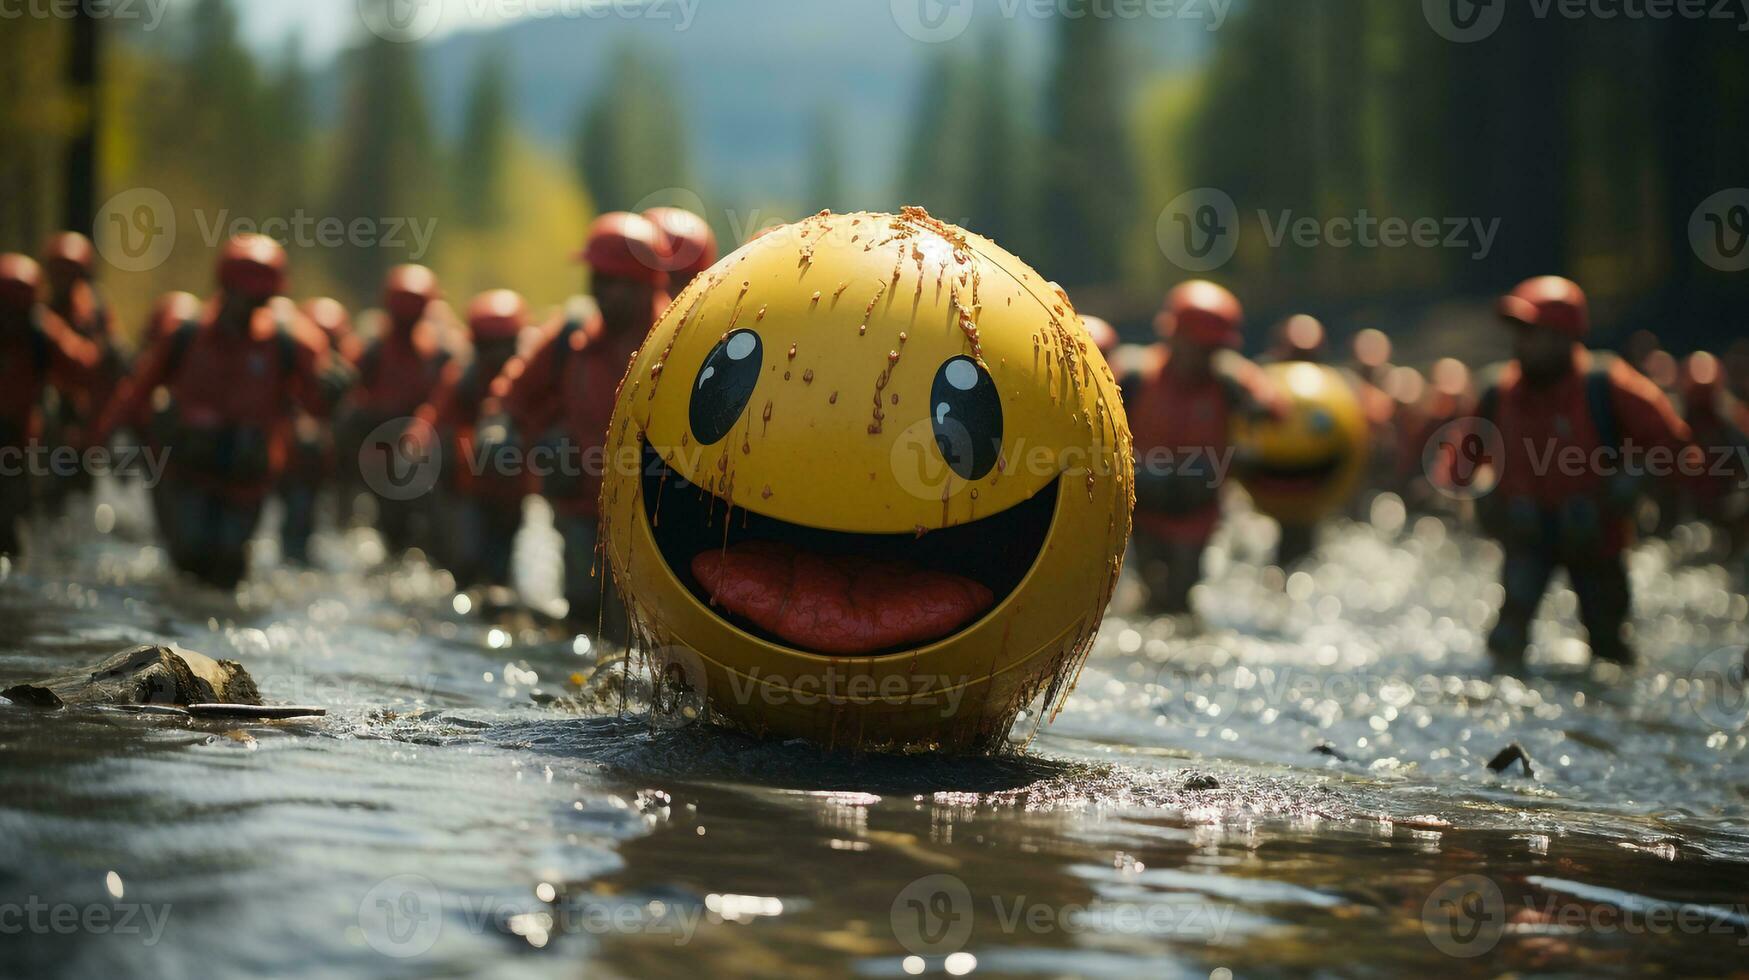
x,y
221,132
1088,196
484,142
286,107
35,117
825,163
387,165
1001,182
630,141
938,162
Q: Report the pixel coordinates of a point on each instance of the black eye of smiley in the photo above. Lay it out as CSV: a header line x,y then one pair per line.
x,y
967,414
725,385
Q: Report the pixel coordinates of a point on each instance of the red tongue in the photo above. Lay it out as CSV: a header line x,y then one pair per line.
x,y
838,605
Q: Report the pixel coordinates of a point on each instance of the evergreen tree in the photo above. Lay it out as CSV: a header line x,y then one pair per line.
x,y
385,158
1000,195
222,132
485,140
1088,198
287,115
826,164
629,140
938,168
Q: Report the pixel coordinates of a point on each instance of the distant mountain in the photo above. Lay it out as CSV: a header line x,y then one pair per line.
x,y
751,73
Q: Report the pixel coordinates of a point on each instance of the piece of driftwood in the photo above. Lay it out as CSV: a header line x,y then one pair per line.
x,y
1509,755
145,674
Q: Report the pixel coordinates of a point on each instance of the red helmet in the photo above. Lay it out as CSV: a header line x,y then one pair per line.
x,y
20,278
1104,337
1549,301
1702,371
628,246
170,311
1203,313
69,251
330,315
407,290
497,314
1451,377
252,266
692,246
1302,335
1372,348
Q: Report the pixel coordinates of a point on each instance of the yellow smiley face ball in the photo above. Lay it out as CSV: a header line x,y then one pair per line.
x,y
870,486
1304,466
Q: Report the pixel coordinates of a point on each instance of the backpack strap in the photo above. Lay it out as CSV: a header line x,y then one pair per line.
x,y
563,351
40,356
287,343
180,341
1240,398
369,361
1600,401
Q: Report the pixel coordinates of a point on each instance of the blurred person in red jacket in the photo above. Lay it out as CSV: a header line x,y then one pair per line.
x,y
397,372
156,422
38,352
67,259
691,245
311,467
1181,419
562,398
1446,396
232,378
1578,433
465,414
1720,422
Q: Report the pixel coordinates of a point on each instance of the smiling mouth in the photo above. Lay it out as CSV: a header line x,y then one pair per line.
x,y
1303,477
839,593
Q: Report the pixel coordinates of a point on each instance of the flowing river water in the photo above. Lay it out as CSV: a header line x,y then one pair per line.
x,y
1302,788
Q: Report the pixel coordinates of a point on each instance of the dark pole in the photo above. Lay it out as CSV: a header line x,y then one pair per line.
x,y
80,197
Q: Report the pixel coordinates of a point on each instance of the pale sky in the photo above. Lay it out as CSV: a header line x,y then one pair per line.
x,y
329,25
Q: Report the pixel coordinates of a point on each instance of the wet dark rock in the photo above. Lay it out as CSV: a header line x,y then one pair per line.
x,y
32,696
1201,781
146,674
1510,754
